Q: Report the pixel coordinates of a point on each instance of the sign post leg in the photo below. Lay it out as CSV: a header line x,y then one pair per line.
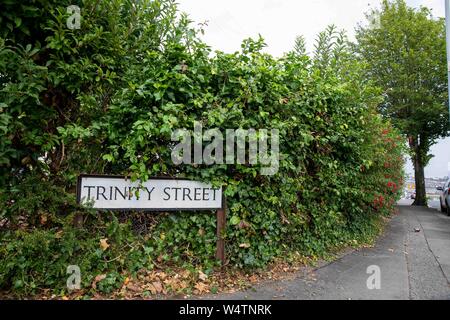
x,y
221,224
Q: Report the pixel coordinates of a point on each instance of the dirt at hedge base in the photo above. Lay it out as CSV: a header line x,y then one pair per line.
x,y
184,284
178,283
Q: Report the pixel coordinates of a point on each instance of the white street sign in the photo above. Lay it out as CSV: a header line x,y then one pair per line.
x,y
112,193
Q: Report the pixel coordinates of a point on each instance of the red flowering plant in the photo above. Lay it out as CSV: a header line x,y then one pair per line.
x,y
386,174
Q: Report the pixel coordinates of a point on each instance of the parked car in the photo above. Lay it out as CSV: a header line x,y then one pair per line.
x,y
445,197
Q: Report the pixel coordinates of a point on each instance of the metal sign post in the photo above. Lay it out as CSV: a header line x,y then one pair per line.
x,y
221,224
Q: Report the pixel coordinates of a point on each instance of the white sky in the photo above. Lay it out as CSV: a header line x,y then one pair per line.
x,y
280,21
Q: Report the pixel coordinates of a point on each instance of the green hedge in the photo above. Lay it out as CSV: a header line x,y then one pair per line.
x,y
105,98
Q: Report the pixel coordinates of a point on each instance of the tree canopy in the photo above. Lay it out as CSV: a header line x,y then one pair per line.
x,y
405,55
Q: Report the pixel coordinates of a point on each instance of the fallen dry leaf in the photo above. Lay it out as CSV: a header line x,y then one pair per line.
x,y
244,245
201,287
175,284
97,279
104,244
151,288
185,274
133,288
244,224
162,275
202,276
158,286
43,219
181,285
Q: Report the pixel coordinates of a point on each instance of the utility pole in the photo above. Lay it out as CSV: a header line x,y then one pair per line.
x,y
447,28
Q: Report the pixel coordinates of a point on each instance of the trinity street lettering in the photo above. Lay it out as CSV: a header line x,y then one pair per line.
x,y
169,193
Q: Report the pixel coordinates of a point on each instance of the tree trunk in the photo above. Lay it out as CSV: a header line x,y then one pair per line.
x,y
421,194
419,173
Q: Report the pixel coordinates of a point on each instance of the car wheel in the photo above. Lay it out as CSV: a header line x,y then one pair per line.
x,y
448,208
443,210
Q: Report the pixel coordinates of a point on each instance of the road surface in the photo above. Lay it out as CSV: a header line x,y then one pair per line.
x,y
413,257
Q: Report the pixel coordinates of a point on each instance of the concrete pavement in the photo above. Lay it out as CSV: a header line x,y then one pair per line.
x,y
413,257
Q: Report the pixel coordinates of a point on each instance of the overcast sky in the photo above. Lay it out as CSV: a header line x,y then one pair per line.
x,y
280,21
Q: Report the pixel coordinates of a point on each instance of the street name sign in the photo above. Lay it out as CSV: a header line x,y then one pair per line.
x,y
156,194
104,192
